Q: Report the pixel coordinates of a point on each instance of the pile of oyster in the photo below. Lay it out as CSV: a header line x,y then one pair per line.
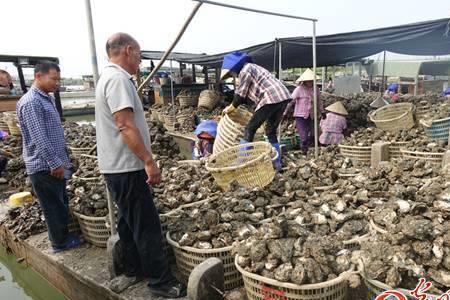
x,y
87,167
88,198
163,144
182,184
370,135
16,173
12,144
289,252
25,220
79,136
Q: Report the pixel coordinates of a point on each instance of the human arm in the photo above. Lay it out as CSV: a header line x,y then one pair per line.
x,y
131,135
119,94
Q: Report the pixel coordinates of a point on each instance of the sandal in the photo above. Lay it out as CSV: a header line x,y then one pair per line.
x,y
174,290
73,241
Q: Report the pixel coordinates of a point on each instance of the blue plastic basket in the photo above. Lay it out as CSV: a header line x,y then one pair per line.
x,y
438,130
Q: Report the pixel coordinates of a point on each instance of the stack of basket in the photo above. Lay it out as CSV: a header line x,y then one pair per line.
x,y
169,121
394,117
356,153
209,99
187,98
230,129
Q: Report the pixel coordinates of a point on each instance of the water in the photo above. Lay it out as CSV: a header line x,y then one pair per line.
x,y
19,282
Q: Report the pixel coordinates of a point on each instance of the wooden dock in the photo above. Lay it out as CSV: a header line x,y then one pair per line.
x,y
80,274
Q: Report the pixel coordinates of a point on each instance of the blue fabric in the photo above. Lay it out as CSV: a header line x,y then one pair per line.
x,y
44,147
277,162
393,87
235,61
52,196
208,126
243,142
446,92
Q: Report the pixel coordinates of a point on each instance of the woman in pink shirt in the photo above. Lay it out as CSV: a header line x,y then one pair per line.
x,y
303,97
334,125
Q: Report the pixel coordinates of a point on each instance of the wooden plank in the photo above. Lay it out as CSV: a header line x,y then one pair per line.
x,y
71,284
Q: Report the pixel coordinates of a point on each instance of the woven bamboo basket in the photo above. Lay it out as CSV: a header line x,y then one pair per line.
x,y
432,157
209,99
169,122
437,129
260,288
73,225
422,110
94,229
10,118
231,129
356,153
188,258
248,164
186,98
394,149
394,117
185,119
77,152
3,125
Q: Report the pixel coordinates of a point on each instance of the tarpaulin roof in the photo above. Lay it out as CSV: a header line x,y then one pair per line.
x,y
410,68
178,56
424,38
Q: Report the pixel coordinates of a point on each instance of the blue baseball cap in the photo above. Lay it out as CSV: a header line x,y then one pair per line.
x,y
234,62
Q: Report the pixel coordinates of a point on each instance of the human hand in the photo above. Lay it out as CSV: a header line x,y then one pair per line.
x,y
58,172
153,173
229,109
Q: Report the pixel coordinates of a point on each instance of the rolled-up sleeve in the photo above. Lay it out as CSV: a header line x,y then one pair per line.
x,y
32,116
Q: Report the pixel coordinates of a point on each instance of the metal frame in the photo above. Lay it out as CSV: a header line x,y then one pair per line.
x,y
316,128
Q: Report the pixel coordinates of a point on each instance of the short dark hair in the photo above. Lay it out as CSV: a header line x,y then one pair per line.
x,y
117,41
44,66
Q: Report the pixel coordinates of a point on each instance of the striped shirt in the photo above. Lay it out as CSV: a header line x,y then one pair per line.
x,y
260,86
332,129
44,147
303,99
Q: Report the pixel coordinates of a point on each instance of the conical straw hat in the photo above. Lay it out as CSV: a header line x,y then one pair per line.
x,y
379,102
337,107
308,75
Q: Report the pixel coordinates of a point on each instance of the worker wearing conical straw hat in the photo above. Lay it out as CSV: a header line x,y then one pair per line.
x,y
334,124
260,86
303,97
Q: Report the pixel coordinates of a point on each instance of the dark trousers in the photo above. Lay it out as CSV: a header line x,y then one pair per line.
x,y
272,113
304,129
139,227
53,199
3,162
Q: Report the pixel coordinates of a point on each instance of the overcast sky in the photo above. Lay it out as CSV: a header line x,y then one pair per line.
x,y
59,27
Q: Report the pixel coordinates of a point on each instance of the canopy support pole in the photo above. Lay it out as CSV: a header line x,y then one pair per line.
x,y
280,68
316,116
382,87
171,83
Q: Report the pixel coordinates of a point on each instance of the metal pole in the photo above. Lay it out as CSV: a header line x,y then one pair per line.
x,y
280,69
316,126
92,41
254,10
275,56
171,83
382,75
174,43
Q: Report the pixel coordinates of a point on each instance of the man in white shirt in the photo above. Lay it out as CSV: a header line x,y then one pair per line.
x,y
125,159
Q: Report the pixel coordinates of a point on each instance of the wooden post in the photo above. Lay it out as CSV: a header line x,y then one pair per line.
x,y
416,83
205,72
21,78
58,104
193,74
181,69
217,87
